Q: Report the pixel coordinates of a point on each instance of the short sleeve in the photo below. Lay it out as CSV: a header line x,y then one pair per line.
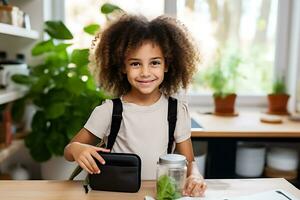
x,y
100,120
183,124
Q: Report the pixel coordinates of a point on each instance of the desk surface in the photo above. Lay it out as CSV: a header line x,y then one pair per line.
x,y
246,124
48,190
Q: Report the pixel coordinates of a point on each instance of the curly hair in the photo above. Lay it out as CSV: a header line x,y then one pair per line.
x,y
128,33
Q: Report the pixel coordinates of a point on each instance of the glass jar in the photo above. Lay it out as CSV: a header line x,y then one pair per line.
x,y
170,176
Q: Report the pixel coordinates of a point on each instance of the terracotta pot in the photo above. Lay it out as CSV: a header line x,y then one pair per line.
x,y
225,105
278,103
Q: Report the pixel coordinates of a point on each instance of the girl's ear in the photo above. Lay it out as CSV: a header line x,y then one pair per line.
x,y
166,69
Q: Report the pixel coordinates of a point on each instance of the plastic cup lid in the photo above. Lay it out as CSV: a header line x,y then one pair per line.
x,y
171,159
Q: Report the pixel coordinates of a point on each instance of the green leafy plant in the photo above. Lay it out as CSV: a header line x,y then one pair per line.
x,y
222,75
62,89
279,86
167,188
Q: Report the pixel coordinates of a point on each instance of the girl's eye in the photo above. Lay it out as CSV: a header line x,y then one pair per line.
x,y
135,64
155,63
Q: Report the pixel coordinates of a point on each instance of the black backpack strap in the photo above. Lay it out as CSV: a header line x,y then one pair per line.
x,y
172,118
115,127
115,122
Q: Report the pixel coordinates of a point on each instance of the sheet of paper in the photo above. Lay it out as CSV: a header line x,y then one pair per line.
x,y
272,195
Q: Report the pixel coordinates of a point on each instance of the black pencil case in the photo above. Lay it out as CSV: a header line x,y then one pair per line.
x,y
120,173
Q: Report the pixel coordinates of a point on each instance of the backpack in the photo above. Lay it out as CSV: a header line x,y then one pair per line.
x,y
115,127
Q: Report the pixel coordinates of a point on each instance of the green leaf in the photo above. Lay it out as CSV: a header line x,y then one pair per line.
x,y
109,8
22,79
167,188
75,85
91,84
279,86
222,75
55,110
36,142
92,29
57,59
40,85
62,47
39,70
56,143
57,30
80,57
42,47
58,95
39,121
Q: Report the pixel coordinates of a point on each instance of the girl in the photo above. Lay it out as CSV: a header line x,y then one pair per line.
x,y
143,63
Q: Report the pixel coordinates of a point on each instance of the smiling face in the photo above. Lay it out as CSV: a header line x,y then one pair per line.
x,y
145,69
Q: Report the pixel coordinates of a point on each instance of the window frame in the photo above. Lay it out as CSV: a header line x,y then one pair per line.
x,y
54,10
293,85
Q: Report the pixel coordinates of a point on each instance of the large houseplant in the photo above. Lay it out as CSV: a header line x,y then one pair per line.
x,y
62,89
221,78
278,98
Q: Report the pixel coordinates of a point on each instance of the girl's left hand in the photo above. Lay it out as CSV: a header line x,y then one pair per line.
x,y
194,186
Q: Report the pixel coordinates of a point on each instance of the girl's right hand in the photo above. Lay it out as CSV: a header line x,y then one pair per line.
x,y
84,155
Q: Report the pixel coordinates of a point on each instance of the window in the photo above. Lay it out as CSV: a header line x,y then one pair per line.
x,y
242,28
253,30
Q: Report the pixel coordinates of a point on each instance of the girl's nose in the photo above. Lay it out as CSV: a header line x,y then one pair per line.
x,y
145,71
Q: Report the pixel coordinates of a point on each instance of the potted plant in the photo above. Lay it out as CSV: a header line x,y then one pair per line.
x,y
221,77
62,89
278,98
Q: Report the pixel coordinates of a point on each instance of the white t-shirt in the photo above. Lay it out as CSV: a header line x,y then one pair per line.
x,y
143,131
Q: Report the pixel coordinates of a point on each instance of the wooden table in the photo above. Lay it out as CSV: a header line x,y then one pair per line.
x,y
72,190
246,125
222,134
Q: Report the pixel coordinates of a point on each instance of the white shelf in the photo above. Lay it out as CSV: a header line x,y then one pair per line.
x,y
10,95
11,149
17,31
